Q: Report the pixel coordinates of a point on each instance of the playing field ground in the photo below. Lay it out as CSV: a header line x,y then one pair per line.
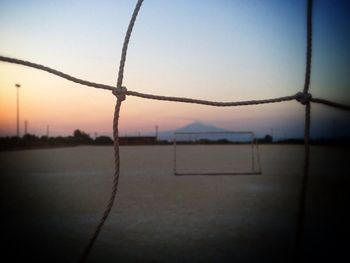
x,y
52,200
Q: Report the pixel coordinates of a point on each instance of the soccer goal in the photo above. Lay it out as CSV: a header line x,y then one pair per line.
x,y
216,153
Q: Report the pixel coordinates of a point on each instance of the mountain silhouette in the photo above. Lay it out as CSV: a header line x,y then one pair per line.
x,y
192,127
199,127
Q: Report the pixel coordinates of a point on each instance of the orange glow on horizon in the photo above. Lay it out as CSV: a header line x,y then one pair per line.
x,y
65,106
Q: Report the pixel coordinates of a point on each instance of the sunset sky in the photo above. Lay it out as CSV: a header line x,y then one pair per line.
x,y
217,50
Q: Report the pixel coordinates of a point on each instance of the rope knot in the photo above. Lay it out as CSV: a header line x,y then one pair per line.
x,y
120,93
303,98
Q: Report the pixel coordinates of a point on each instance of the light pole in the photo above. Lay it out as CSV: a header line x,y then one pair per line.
x,y
18,86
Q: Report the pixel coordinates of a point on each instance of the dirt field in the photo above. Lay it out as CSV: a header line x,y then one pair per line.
x,y
52,200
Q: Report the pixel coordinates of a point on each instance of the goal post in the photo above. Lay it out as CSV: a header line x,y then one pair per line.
x,y
216,153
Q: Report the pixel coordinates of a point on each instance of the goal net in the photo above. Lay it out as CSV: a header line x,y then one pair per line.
x,y
216,153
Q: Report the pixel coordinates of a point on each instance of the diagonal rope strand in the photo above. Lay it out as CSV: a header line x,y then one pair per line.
x,y
126,42
331,103
210,103
169,98
55,72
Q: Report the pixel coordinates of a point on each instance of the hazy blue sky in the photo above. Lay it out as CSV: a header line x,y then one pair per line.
x,y
216,50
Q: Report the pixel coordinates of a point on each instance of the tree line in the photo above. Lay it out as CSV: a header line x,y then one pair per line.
x,y
32,141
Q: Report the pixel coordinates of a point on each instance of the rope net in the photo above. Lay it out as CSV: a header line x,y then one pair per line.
x,y
304,97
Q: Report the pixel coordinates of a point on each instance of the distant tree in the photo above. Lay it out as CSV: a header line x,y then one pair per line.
x,y
268,138
81,137
44,138
7,143
30,138
103,140
223,141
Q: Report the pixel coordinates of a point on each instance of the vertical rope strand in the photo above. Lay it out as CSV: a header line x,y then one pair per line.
x,y
114,187
308,45
304,183
120,99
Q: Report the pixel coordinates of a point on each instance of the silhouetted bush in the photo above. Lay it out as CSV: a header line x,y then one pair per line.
x,y
103,140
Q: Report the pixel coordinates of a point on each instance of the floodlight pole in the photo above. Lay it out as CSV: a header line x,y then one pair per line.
x,y
18,86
